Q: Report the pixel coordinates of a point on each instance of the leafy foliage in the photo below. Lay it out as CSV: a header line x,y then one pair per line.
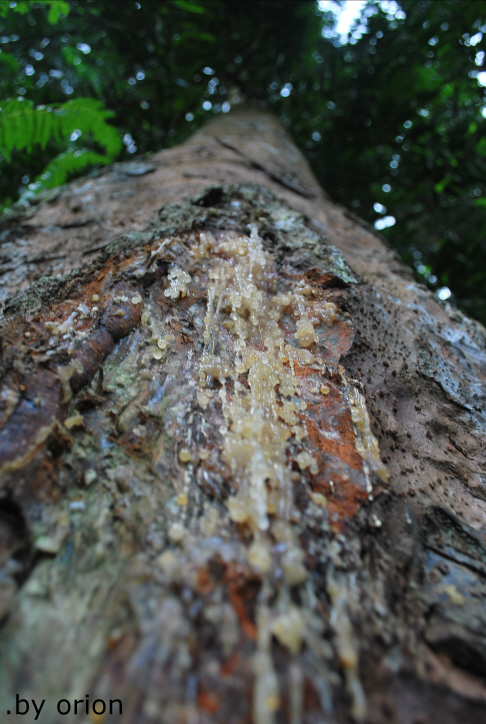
x,y
391,121
57,8
22,125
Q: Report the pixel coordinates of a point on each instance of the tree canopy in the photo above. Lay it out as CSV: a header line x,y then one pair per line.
x,y
390,117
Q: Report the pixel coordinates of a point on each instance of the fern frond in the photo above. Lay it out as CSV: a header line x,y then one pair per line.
x,y
91,118
43,129
60,168
22,126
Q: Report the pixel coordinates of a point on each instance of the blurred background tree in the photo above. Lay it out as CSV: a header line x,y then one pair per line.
x,y
388,111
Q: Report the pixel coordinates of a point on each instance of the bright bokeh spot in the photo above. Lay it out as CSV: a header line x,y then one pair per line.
x,y
346,14
349,13
385,222
444,293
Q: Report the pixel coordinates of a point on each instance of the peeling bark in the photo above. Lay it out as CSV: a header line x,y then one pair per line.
x,y
242,453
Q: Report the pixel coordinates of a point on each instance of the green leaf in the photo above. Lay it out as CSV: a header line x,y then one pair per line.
x,y
89,116
57,8
65,164
22,7
189,6
207,36
22,126
9,61
440,186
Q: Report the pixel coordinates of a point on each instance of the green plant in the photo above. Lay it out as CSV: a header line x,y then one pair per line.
x,y
22,127
57,8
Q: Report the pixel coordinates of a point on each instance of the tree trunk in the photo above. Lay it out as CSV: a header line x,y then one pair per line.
x,y
242,454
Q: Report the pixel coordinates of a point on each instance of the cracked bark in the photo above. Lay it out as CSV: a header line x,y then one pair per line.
x,y
99,594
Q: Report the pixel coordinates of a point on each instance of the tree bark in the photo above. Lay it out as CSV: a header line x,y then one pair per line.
x,y
243,468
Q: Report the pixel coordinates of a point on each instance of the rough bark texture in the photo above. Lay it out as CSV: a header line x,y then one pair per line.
x,y
194,516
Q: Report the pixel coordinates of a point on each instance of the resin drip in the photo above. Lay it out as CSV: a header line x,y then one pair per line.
x,y
366,442
257,327
260,414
